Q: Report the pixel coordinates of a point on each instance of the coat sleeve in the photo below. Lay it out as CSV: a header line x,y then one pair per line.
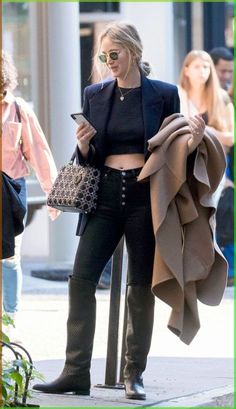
x,y
36,149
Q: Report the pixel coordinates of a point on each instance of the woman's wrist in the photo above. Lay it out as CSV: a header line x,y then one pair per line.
x,y
84,148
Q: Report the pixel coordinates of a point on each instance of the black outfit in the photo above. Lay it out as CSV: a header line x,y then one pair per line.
x,y
125,128
123,208
13,212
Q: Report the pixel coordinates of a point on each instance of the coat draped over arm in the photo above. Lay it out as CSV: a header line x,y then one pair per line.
x,y
188,264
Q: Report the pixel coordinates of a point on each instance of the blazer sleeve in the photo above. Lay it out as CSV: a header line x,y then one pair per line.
x,y
91,153
174,102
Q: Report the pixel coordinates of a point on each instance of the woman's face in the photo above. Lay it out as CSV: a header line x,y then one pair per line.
x,y
198,71
119,67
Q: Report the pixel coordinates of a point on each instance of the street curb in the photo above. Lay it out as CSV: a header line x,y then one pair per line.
x,y
220,397
226,401
212,398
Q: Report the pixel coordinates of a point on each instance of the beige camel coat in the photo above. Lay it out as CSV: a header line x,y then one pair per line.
x,y
188,265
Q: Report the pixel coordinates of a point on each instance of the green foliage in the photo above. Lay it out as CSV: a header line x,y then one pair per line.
x,y
14,384
7,320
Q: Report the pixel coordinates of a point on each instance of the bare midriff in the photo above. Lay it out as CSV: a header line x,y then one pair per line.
x,y
125,161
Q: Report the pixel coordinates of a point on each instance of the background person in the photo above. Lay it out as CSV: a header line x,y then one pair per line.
x,y
200,92
223,60
225,218
23,143
228,250
13,213
126,112
224,63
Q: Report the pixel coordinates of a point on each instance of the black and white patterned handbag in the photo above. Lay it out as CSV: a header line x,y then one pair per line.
x,y
75,188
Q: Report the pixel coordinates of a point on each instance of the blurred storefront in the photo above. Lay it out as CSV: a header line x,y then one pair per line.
x,y
52,45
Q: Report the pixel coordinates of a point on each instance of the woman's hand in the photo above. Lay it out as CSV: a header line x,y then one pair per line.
x,y
53,213
84,134
197,127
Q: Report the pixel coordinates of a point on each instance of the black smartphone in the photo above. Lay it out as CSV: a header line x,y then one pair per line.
x,y
79,118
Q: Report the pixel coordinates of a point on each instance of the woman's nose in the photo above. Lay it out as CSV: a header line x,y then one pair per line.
x,y
109,60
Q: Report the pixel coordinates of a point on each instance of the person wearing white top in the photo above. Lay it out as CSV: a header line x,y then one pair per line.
x,y
200,93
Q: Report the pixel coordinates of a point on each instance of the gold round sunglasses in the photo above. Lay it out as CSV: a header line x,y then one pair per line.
x,y
113,55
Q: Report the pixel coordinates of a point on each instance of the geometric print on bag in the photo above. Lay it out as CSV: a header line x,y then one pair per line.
x,y
75,189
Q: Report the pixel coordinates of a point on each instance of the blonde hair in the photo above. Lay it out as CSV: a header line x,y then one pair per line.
x,y
125,34
213,95
9,73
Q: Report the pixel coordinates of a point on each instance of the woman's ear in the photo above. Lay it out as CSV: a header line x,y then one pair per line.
x,y
132,56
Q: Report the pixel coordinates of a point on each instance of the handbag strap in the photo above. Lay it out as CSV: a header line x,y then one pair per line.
x,y
72,159
18,114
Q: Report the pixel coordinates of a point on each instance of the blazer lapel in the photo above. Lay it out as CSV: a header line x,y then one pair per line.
x,y
152,109
100,106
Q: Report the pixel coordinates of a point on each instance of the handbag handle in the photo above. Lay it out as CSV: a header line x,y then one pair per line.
x,y
72,159
18,114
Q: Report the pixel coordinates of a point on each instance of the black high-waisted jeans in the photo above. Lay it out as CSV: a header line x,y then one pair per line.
x,y
123,208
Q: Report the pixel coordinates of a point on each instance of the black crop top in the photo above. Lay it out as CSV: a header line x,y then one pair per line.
x,y
125,129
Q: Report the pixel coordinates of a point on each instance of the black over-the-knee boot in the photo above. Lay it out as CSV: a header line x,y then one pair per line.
x,y
140,302
75,376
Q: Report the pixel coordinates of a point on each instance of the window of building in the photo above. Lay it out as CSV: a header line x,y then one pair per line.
x,y
16,41
182,34
96,7
86,51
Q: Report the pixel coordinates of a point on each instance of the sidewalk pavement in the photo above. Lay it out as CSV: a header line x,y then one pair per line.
x,y
177,375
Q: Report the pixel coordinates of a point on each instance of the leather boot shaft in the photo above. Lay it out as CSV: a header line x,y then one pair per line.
x,y
140,303
140,319
75,376
80,325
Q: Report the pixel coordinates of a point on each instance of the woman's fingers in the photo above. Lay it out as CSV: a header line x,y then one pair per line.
x,y
198,120
197,128
85,132
197,125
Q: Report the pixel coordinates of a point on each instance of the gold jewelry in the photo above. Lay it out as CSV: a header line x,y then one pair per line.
x,y
122,96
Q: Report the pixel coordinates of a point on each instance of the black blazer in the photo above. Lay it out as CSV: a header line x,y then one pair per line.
x,y
159,100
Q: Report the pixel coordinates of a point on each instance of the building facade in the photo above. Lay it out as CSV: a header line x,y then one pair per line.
x,y
52,45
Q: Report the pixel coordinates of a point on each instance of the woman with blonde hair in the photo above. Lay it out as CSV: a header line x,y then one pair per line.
x,y
200,93
126,112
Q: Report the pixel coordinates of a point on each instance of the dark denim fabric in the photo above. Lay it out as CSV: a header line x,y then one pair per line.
x,y
123,208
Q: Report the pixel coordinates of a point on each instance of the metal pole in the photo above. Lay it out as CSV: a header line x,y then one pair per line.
x,y
114,314
123,348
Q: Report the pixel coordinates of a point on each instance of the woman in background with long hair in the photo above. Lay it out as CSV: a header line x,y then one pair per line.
x,y
200,93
